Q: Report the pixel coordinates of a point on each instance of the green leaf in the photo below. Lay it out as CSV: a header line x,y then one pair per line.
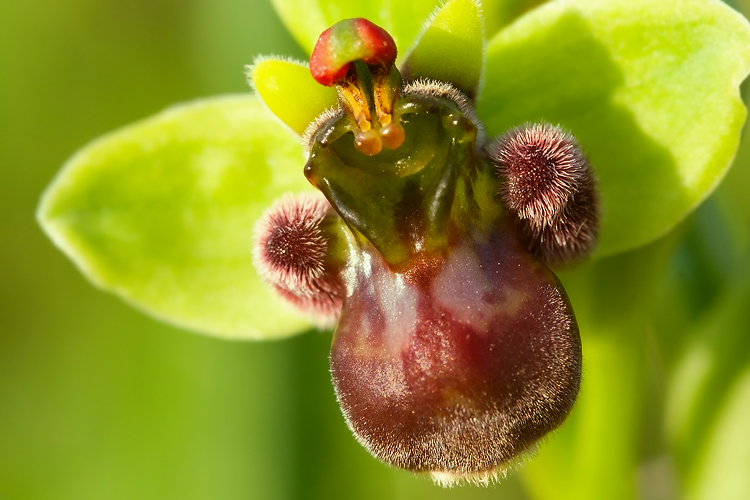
x,y
162,214
649,88
735,185
595,453
707,406
290,92
306,19
451,49
725,460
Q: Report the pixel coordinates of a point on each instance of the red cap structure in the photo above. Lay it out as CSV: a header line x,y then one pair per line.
x,y
348,41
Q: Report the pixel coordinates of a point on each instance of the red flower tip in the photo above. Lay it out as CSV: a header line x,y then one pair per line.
x,y
290,254
348,41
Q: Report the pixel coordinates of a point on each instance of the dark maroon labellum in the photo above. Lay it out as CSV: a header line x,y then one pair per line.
x,y
456,365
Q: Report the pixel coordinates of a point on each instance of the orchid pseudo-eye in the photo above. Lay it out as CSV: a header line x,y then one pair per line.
x,y
427,244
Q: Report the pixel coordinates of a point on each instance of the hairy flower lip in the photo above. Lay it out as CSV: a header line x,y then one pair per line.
x,y
412,381
456,350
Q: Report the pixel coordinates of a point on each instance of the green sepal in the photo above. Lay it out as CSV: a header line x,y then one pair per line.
x,y
451,49
162,213
290,92
649,89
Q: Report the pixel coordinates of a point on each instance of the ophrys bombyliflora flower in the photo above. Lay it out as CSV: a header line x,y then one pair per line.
x,y
456,348
161,212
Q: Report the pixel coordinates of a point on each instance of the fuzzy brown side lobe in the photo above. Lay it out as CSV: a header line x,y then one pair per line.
x,y
548,182
572,235
460,367
291,254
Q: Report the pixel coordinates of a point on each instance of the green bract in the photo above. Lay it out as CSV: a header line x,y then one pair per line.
x,y
162,212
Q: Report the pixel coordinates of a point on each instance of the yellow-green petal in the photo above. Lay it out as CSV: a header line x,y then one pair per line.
x,y
290,92
162,214
451,49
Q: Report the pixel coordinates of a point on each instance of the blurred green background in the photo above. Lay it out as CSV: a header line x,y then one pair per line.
x,y
98,401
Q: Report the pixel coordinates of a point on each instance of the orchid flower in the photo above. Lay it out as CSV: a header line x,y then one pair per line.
x,y
456,348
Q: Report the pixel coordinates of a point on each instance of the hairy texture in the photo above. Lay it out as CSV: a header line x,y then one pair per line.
x,y
572,235
442,90
426,88
291,252
327,118
322,307
460,363
548,183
